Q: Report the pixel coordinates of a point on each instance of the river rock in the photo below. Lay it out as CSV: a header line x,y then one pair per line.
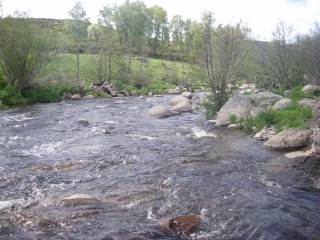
x,y
76,97
233,126
316,143
239,105
265,133
78,200
287,92
188,95
299,154
255,111
181,224
178,99
173,91
305,102
83,122
184,106
195,96
265,96
308,88
290,139
89,97
111,89
282,103
120,102
160,111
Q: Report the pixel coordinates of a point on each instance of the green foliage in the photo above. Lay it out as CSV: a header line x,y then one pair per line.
x,y
11,95
232,118
44,93
210,107
24,50
291,116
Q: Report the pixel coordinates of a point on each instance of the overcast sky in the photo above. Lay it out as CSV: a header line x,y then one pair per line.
x,y
260,15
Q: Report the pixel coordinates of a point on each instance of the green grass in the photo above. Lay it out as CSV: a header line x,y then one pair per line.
x,y
291,116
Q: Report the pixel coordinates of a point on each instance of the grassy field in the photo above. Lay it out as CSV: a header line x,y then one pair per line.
x,y
156,76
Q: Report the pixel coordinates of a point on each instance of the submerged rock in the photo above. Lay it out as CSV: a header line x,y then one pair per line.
x,y
182,224
120,102
83,122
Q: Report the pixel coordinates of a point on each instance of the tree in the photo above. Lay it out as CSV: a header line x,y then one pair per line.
x,y
281,61
221,52
24,50
311,47
77,27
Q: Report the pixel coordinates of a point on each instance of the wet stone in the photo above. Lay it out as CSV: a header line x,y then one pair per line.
x,y
181,224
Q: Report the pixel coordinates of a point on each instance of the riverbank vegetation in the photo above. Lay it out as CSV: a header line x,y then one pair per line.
x,y
141,51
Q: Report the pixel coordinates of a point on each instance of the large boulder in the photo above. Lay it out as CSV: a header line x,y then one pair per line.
x,y
239,105
160,111
282,103
184,106
265,96
178,99
290,139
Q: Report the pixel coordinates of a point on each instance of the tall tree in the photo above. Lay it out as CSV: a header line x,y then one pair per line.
x,y
221,52
24,50
77,27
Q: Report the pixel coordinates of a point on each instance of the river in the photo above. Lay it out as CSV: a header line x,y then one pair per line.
x,y
144,170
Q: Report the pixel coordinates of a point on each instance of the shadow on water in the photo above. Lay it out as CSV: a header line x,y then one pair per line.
x,y
144,170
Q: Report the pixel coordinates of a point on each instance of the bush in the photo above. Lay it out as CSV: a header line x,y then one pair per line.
x,y
11,95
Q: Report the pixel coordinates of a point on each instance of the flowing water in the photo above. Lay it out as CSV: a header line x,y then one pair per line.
x,y
146,169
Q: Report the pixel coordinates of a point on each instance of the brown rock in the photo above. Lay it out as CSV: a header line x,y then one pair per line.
x,y
180,223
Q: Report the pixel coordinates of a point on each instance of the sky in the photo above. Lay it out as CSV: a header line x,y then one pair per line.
x,y
260,15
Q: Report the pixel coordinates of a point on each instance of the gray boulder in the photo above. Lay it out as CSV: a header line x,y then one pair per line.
x,y
265,96
178,99
188,95
160,111
76,97
282,103
239,105
290,139
308,88
184,106
305,102
287,92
